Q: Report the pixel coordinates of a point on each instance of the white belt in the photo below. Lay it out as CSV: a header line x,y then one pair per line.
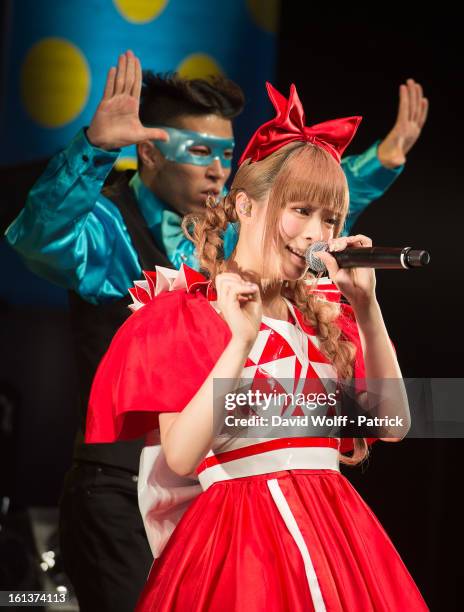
x,y
309,458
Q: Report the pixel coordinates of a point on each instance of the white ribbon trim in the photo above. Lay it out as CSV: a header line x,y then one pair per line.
x,y
292,525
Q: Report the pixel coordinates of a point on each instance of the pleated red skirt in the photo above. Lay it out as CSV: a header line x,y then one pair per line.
x,y
297,540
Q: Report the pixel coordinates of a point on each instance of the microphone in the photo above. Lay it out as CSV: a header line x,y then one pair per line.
x,y
387,258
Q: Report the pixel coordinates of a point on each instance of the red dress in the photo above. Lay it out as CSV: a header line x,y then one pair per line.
x,y
273,526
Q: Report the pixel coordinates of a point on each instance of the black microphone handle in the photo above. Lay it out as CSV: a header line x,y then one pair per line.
x,y
385,258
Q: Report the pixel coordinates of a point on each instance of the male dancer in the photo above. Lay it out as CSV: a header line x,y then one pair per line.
x,y
95,244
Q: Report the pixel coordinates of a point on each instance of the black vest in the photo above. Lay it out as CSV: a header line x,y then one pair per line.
x,y
94,327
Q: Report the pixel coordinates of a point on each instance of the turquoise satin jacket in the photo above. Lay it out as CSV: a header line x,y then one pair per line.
x,y
71,235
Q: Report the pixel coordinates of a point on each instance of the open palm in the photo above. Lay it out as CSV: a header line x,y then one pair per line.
x,y
116,121
412,115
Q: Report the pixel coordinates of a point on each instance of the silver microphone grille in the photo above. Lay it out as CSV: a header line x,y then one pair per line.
x,y
314,263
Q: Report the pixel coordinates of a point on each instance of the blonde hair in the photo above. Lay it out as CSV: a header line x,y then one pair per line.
x,y
298,172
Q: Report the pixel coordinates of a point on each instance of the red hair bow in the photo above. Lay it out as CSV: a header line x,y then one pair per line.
x,y
289,125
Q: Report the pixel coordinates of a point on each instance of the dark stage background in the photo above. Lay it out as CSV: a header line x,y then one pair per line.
x,y
342,66
348,65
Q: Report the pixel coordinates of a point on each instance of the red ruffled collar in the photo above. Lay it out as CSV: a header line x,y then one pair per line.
x,y
163,280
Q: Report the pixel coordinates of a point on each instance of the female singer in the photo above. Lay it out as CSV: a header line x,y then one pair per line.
x,y
275,527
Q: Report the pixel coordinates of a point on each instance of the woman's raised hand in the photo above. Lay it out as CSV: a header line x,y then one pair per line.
x,y
356,284
240,304
116,121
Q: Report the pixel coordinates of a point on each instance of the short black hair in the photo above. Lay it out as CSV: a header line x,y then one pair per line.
x,y
167,96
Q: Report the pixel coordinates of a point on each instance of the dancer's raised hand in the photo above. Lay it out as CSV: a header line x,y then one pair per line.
x,y
116,121
412,115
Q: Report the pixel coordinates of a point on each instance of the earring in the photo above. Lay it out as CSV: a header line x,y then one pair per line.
x,y
245,208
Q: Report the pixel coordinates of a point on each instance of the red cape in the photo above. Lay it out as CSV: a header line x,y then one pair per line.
x,y
161,356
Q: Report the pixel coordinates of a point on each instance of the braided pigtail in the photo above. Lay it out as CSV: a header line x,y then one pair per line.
x,y
322,316
207,231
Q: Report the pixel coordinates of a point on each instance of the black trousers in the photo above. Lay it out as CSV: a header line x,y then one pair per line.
x,y
105,551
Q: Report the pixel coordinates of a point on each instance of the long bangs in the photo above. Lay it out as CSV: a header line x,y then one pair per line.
x,y
310,174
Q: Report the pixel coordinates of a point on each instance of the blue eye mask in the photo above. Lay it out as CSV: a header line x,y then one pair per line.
x,y
206,148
